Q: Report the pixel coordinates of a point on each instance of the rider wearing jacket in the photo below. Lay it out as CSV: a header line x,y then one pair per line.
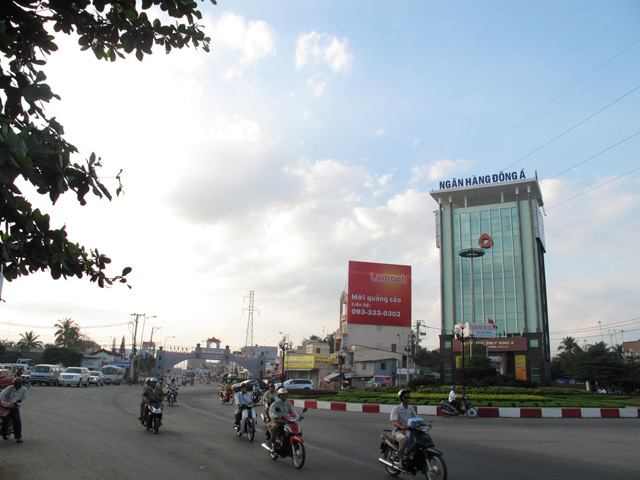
x,y
17,394
278,410
152,394
242,398
269,397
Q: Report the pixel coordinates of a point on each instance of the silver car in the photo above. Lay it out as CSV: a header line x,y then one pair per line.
x,y
74,376
96,378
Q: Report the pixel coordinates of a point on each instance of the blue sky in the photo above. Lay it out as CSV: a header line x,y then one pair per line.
x,y
312,134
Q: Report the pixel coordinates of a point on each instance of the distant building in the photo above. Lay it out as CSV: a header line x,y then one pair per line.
x,y
506,286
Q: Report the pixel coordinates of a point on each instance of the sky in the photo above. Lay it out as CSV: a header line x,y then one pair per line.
x,y
313,133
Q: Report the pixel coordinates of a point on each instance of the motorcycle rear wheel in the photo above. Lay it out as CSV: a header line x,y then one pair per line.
x,y
297,454
472,412
438,470
390,456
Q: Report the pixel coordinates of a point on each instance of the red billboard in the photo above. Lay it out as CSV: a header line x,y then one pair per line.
x,y
379,294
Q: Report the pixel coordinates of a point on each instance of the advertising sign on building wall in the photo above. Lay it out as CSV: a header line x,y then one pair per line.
x,y
379,294
481,330
521,367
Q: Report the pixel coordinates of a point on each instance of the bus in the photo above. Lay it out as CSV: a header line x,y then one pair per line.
x,y
113,375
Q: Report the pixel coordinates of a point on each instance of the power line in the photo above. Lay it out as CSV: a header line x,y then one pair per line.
x,y
555,98
593,188
572,128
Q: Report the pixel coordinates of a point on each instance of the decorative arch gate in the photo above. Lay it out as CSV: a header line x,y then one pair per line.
x,y
167,359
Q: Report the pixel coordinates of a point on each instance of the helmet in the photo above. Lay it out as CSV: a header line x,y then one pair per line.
x,y
453,387
153,379
403,391
282,390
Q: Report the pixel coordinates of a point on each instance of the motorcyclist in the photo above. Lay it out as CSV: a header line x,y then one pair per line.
x,y
173,386
269,397
228,391
400,416
153,394
17,394
278,410
145,385
257,391
454,400
242,398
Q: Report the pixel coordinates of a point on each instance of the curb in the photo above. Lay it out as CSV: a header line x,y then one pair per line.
x,y
489,412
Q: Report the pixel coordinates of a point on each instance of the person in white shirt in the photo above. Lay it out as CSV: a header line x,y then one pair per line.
x,y
454,400
242,398
400,416
17,394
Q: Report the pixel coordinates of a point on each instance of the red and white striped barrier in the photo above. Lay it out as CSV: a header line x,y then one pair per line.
x,y
493,412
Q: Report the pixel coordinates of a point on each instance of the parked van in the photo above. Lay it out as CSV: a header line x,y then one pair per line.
x,y
113,375
45,374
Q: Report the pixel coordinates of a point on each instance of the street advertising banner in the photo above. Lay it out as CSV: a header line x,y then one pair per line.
x,y
379,294
299,362
480,330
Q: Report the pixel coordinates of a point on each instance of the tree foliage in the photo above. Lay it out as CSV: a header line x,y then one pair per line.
x,y
32,144
29,340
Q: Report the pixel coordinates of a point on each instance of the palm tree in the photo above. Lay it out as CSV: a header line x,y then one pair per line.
x,y
29,340
569,345
67,334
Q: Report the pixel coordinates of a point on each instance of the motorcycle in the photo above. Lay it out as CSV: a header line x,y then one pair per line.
x,y
172,396
226,396
256,397
6,421
265,413
290,444
247,422
153,419
423,458
449,410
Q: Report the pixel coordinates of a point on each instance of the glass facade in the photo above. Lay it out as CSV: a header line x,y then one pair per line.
x,y
497,278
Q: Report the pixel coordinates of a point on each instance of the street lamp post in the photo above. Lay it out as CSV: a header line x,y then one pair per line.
x,y
459,332
633,374
341,360
165,340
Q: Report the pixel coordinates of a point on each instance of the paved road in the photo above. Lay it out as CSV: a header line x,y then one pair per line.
x,y
78,433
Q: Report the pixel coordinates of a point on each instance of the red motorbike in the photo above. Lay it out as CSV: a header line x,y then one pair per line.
x,y
290,444
6,421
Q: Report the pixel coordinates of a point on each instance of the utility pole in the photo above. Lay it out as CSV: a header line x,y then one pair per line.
x,y
249,340
133,347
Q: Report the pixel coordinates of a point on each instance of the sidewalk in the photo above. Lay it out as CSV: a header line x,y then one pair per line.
x,y
493,412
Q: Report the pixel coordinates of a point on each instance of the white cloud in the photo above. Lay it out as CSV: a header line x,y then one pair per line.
x,y
442,169
247,43
315,48
380,132
317,84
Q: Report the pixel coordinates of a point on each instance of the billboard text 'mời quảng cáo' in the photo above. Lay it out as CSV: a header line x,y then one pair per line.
x,y
379,294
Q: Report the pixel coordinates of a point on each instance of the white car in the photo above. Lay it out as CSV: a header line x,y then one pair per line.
x,y
74,376
298,384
